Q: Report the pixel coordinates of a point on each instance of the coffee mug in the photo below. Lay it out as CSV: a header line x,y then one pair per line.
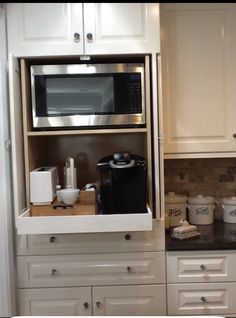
x,y
68,196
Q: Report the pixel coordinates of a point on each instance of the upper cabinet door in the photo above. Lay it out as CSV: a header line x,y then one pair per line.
x,y
44,29
111,28
51,29
196,65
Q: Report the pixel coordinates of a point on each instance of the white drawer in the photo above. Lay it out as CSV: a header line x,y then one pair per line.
x,y
93,243
204,266
91,269
201,298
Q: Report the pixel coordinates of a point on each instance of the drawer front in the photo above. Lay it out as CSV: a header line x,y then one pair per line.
x,y
93,243
92,269
200,298
201,267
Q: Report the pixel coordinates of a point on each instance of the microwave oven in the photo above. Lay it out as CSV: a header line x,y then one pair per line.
x,y
75,96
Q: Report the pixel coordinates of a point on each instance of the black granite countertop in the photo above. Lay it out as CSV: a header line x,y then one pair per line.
x,y
216,236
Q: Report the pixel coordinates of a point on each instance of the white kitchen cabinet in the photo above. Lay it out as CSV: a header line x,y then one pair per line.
x,y
55,302
201,282
93,283
52,29
145,300
29,152
198,69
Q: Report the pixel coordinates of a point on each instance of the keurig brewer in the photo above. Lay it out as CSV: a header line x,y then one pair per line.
x,y
123,183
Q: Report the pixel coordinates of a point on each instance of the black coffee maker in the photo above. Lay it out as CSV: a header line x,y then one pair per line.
x,y
123,184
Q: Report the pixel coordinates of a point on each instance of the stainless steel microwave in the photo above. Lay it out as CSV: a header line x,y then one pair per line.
x,y
88,95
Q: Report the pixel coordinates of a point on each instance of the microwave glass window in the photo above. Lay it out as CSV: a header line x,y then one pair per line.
x,y
72,96
88,94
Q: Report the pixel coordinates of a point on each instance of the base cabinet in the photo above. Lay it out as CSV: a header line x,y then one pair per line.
x,y
55,302
145,300
99,274
201,283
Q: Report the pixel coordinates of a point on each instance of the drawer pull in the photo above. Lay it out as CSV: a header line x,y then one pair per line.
x,y
54,271
203,267
98,304
203,299
52,239
86,305
127,237
128,269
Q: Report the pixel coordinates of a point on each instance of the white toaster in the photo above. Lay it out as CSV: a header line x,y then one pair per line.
x,y
43,182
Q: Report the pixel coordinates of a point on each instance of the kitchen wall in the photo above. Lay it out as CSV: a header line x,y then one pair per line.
x,y
214,176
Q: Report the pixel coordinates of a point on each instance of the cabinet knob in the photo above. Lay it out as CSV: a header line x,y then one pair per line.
x,y
128,269
54,271
127,237
203,267
203,299
76,37
234,136
89,37
98,304
52,239
86,305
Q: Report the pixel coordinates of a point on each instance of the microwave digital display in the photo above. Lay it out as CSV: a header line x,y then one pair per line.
x,y
94,95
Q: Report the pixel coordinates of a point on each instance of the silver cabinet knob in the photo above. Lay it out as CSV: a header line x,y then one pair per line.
x,y
203,299
89,37
98,304
203,267
54,271
234,136
76,37
86,305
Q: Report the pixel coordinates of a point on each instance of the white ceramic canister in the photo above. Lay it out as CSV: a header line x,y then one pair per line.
x,y
201,209
229,210
175,208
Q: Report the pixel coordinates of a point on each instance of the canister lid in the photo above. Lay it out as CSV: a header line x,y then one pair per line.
x,y
201,199
171,197
230,200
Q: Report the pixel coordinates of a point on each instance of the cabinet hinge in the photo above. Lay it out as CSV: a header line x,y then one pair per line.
x,y
161,138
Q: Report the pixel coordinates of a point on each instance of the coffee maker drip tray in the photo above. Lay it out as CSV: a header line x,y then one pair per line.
x,y
123,184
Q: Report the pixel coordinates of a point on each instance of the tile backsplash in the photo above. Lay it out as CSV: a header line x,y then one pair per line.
x,y
215,176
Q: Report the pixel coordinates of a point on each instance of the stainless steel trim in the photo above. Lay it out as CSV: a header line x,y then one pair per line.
x,y
87,120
